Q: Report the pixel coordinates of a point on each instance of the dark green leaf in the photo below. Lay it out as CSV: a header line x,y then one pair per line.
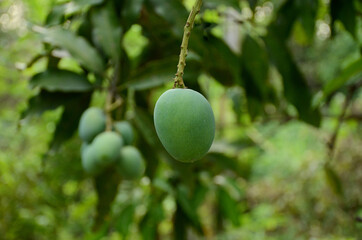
x,y
253,3
228,206
131,11
189,210
254,60
333,180
125,219
77,46
144,123
106,185
216,57
106,31
56,15
308,14
180,224
150,221
45,101
173,12
296,90
68,122
228,3
352,70
344,11
152,75
61,81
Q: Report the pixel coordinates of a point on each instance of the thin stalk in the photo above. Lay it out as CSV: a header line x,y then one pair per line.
x,y
110,105
178,80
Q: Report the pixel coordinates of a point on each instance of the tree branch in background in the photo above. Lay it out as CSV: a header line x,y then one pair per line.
x,y
332,142
178,80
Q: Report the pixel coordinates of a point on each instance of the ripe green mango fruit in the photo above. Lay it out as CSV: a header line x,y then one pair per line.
x,y
184,123
90,161
107,146
126,131
92,122
131,163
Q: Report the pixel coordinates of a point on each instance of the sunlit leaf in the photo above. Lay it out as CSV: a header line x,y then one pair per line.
x,y
77,46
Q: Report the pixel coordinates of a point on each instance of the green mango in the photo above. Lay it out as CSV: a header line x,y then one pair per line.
x,y
90,161
92,122
107,146
131,163
185,124
126,131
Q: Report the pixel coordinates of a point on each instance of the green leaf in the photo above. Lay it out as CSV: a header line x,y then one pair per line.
x,y
45,101
296,90
106,30
333,180
308,14
154,74
68,123
144,123
56,15
180,224
228,206
252,4
187,207
125,219
173,12
255,63
228,3
61,81
352,70
106,186
345,12
131,11
77,46
148,225
216,57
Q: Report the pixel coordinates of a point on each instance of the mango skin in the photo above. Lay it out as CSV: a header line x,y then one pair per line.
x,y
106,147
90,161
92,122
126,131
131,164
184,123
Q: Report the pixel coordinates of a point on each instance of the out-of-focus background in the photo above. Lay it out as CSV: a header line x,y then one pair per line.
x,y
283,78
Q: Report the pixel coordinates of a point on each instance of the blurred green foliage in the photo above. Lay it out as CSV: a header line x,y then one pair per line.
x,y
277,73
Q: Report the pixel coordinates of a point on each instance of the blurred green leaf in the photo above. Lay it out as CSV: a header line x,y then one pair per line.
x,y
180,224
228,206
45,101
152,75
131,12
77,46
56,15
333,180
252,4
106,185
150,221
61,81
352,70
216,57
125,219
68,122
308,14
173,12
187,207
106,30
344,11
228,3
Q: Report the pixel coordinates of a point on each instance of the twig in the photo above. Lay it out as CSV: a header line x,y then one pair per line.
x,y
341,118
110,105
178,80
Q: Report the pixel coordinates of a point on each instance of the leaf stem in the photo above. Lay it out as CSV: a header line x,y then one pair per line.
x,y
178,80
